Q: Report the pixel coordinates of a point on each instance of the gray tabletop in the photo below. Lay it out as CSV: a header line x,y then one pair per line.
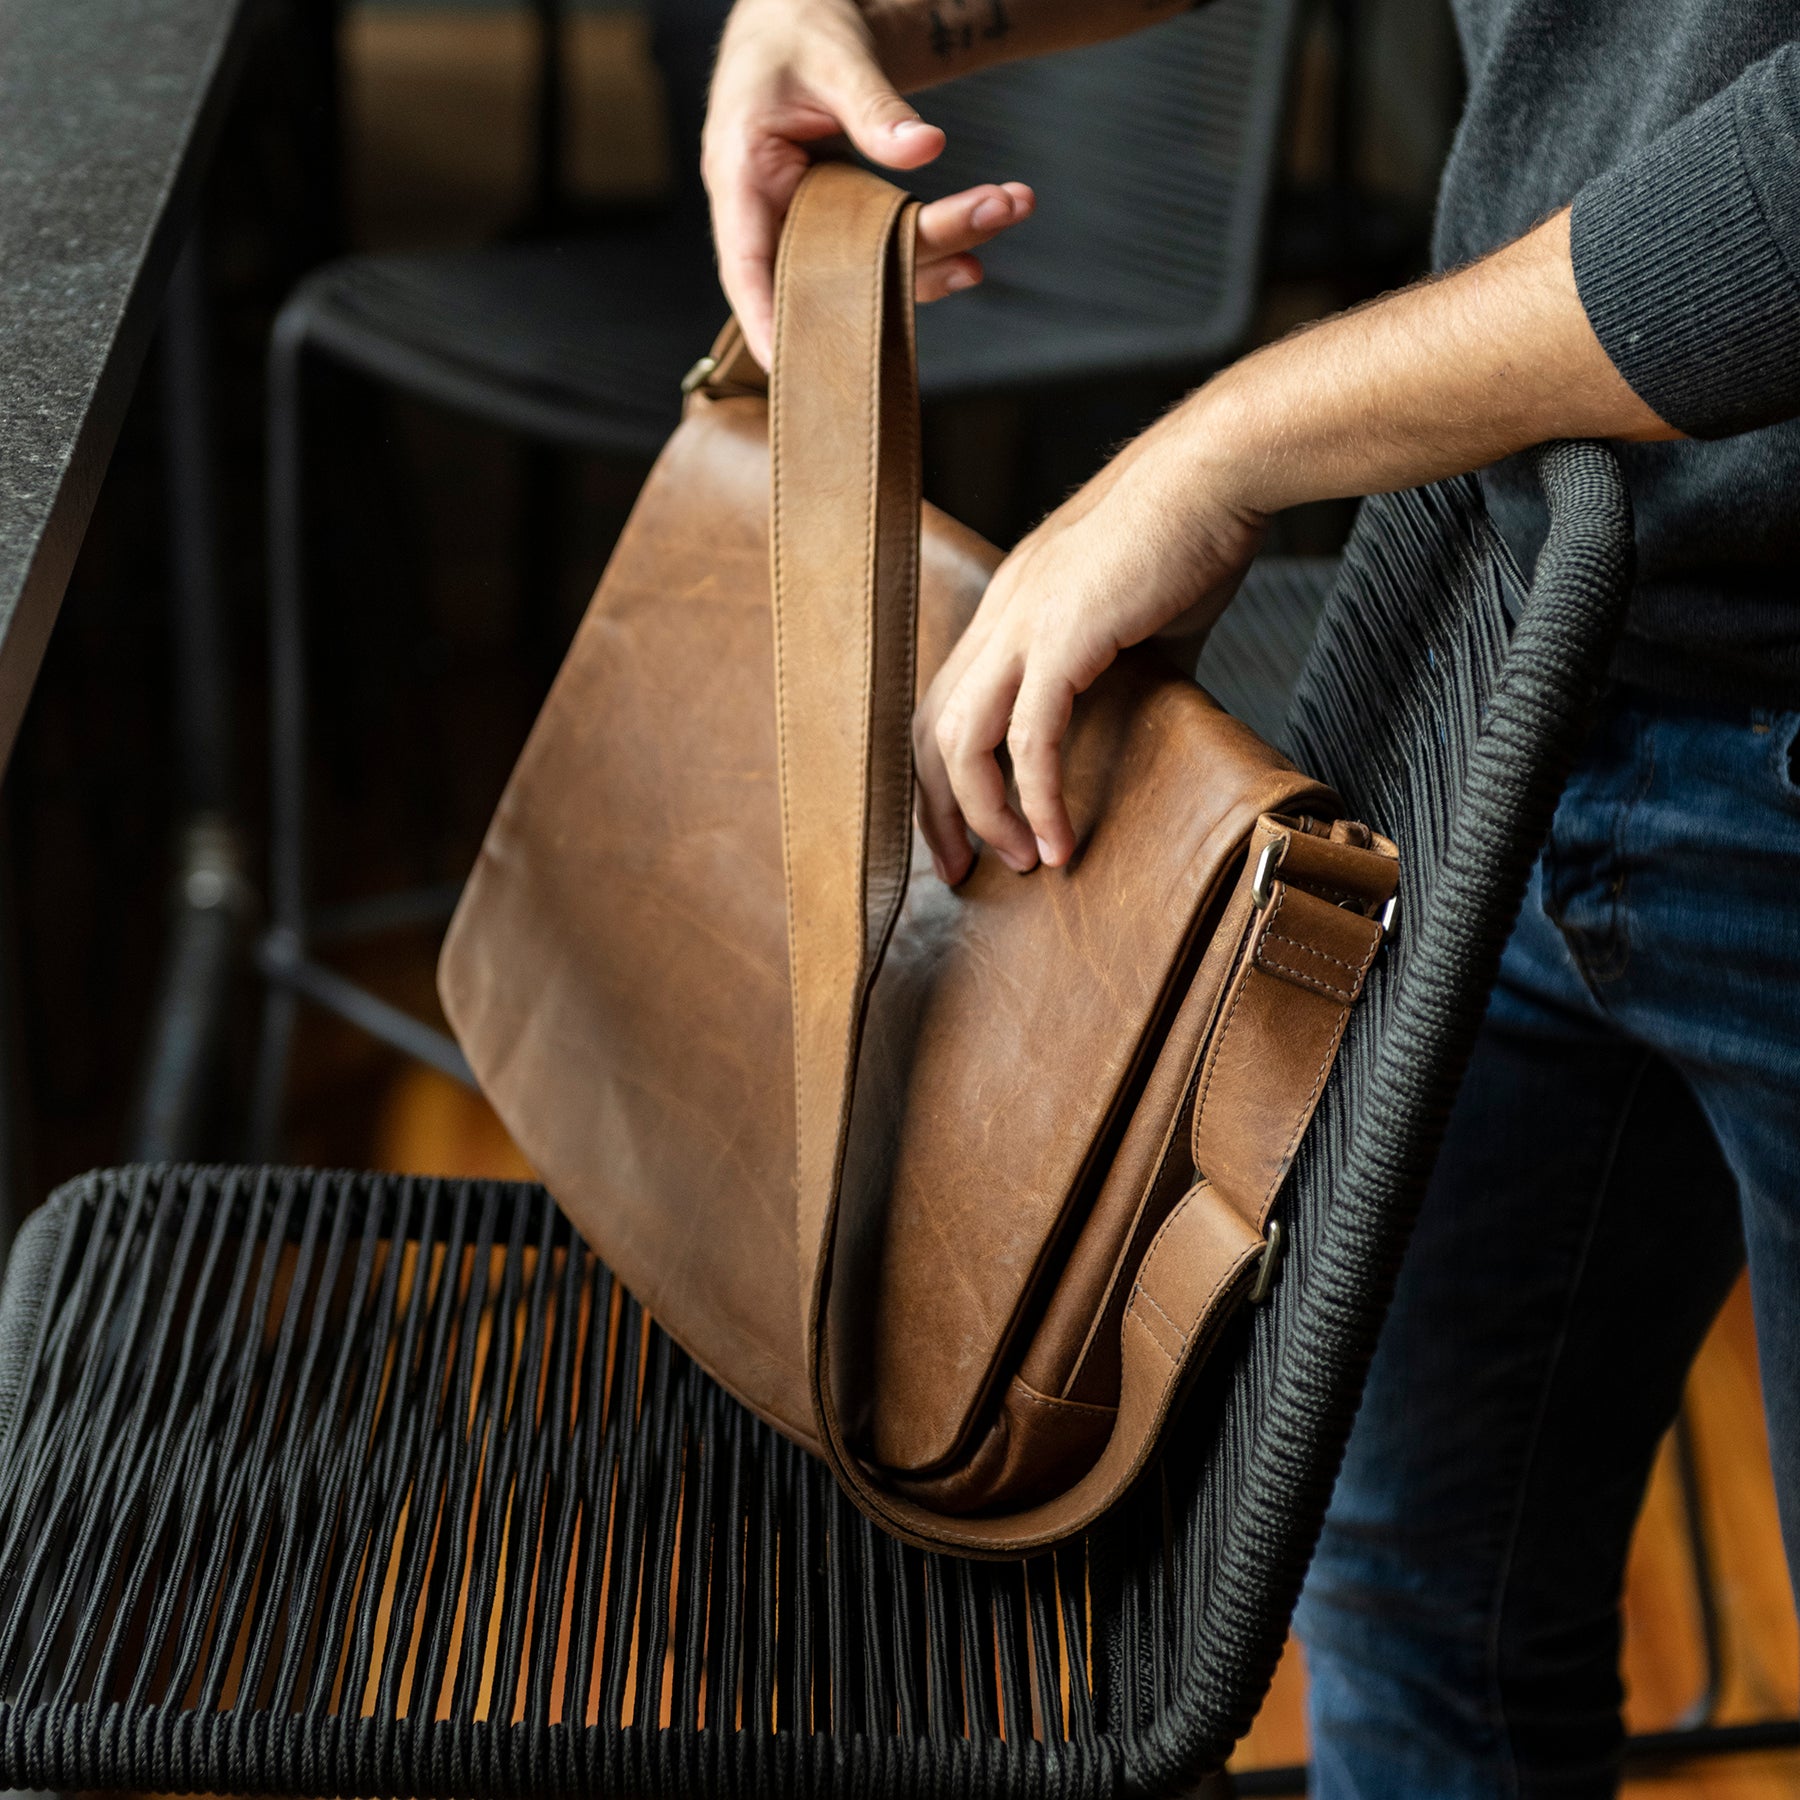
x,y
108,109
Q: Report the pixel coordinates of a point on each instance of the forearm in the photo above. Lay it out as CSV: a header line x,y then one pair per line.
x,y
920,42
1436,380
1443,378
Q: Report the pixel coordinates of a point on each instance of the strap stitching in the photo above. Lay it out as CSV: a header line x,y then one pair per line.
x,y
1347,996
1305,976
1306,949
1142,1293
1024,1391
803,200
1212,1064
776,510
1139,1292
1143,1325
877,295
1320,891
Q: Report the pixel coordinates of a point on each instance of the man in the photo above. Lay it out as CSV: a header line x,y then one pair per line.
x,y
1622,214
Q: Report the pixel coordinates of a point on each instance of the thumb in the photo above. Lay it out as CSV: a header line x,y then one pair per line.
x,y
876,119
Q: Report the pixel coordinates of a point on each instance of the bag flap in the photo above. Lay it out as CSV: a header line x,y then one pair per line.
x,y
1010,1030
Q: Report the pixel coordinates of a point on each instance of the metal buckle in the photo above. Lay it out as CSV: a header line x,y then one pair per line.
x,y
1262,883
1268,1264
697,375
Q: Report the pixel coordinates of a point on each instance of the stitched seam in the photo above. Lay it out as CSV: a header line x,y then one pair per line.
x,y
1320,891
1357,969
1212,1062
1315,982
872,548
1142,1293
1305,978
1278,937
1051,1402
1205,1312
1138,1319
1175,1213
775,511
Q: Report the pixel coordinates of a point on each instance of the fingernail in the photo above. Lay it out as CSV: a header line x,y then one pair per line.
x,y
938,869
905,127
1043,851
991,212
957,280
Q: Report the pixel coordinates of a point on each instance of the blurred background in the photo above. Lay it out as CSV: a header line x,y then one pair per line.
x,y
479,226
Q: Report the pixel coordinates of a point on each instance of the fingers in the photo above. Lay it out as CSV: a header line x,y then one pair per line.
x,y
970,729
948,229
873,115
951,276
940,818
744,229
1034,739
971,218
1011,689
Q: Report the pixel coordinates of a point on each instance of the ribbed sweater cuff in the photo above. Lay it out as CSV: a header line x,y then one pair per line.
x,y
1685,285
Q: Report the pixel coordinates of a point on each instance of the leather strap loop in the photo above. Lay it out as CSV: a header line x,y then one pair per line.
x,y
1282,1018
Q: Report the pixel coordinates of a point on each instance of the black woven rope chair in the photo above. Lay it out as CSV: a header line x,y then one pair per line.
x,y
331,1483
1155,158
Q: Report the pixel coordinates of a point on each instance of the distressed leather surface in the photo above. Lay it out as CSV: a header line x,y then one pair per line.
x,y
911,1172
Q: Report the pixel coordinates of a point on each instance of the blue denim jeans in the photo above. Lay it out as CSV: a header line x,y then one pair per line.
x,y
1462,1616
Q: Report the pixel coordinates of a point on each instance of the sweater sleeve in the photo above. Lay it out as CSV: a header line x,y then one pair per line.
x,y
1687,258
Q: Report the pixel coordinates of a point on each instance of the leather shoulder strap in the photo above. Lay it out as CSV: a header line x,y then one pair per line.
x,y
845,531
844,579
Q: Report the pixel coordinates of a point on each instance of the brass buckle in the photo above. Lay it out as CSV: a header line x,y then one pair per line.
x,y
1267,1264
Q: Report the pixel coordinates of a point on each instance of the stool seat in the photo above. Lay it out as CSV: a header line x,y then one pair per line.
x,y
330,1483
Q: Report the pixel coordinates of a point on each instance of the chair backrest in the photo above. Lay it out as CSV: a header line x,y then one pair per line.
x,y
1153,158
1453,727
317,1483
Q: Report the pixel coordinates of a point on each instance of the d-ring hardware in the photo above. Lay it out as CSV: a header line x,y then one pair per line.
x,y
1262,883
697,375
1269,1262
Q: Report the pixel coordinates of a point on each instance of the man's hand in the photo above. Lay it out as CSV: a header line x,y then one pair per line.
x,y
792,74
1111,567
1442,378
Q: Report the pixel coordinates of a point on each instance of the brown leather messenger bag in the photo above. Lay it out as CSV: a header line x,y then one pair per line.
x,y
953,1188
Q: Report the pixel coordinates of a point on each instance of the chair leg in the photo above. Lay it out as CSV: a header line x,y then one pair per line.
x,y
209,899
269,1087
286,934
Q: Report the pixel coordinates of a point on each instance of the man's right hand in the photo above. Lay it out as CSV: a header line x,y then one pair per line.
x,y
793,74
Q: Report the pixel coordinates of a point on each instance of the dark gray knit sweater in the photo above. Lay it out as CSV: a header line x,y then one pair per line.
x,y
1674,127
